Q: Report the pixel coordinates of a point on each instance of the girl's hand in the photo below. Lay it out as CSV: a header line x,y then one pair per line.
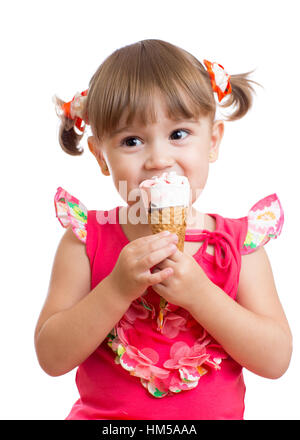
x,y
131,275
184,284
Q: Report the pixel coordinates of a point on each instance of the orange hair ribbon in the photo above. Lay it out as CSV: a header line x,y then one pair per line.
x,y
220,80
70,111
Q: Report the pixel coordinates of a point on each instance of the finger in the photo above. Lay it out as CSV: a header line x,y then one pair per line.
x,y
163,265
163,282
155,257
170,260
158,276
160,289
154,245
175,256
152,237
141,242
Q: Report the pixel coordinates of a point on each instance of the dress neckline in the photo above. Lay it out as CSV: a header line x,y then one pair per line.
x,y
188,234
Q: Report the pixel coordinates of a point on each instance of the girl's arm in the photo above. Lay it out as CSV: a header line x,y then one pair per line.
x,y
74,320
254,330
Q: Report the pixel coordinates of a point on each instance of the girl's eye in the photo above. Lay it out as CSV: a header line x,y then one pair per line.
x,y
177,133
133,141
130,142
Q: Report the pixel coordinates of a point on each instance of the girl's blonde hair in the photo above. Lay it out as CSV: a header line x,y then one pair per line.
x,y
130,77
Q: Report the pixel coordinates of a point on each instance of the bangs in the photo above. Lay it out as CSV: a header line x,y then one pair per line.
x,y
129,81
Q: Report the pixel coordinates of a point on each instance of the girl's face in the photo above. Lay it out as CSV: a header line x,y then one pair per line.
x,y
137,153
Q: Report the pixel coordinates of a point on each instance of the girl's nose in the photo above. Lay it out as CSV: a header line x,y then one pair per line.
x,y
158,159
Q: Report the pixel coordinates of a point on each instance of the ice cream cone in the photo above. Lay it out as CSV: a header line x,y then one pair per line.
x,y
171,218
167,199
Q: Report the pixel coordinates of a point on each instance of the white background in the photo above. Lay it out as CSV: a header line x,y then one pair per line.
x,y
55,47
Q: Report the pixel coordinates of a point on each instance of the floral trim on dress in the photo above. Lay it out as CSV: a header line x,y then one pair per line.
x,y
186,365
265,221
70,211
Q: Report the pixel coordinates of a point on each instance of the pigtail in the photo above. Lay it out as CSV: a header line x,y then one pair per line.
x,y
241,96
69,136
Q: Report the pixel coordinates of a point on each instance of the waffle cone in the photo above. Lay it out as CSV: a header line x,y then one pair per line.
x,y
171,218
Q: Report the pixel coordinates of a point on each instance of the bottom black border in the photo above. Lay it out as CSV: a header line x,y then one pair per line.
x,y
136,429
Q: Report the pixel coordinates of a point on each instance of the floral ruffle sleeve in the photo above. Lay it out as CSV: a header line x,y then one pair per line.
x,y
70,211
265,221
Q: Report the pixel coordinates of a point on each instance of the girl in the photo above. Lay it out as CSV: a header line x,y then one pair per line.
x,y
151,107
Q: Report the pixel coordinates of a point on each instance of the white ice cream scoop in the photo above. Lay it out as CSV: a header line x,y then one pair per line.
x,y
169,189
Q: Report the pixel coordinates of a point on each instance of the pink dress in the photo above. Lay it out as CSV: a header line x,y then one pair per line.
x,y
160,364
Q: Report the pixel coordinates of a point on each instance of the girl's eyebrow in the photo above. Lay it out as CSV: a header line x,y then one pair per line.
x,y
129,127
119,130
